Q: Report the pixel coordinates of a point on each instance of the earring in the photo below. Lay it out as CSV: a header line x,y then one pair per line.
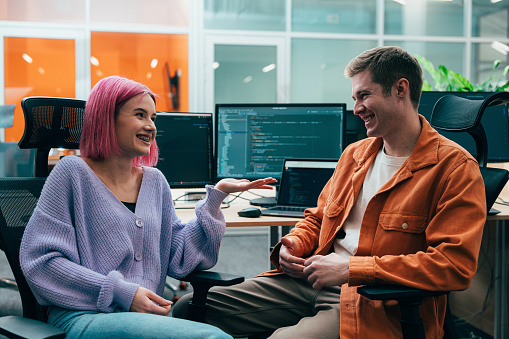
x,y
401,96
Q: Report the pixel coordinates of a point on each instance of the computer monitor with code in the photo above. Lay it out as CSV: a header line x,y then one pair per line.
x,y
253,140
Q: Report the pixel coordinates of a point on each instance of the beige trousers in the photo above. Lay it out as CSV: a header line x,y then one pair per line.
x,y
289,306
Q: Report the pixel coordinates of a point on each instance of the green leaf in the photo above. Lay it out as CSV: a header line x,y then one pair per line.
x,y
428,67
502,88
495,64
443,83
506,69
461,82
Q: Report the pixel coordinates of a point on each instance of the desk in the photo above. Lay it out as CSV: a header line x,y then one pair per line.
x,y
278,225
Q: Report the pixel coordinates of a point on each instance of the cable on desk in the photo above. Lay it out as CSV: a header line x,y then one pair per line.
x,y
227,203
501,202
224,204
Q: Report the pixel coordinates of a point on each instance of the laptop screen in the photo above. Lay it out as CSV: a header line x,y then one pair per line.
x,y
302,181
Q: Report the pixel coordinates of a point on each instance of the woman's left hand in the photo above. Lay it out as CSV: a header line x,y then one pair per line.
x,y
233,185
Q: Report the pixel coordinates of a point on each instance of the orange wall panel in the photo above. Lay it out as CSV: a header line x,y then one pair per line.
x,y
132,54
34,67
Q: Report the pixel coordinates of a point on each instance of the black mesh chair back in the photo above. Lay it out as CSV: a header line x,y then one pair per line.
x,y
51,123
18,198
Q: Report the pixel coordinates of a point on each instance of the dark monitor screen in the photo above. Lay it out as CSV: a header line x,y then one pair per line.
x,y
185,148
253,140
495,122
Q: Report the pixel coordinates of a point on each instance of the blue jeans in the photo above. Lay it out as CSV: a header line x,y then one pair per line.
x,y
128,325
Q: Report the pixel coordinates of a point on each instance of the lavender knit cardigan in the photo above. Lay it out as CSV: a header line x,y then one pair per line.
x,y
84,250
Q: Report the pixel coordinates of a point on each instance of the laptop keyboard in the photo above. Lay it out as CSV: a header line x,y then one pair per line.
x,y
288,208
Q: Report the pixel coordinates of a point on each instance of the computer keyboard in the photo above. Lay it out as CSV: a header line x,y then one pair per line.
x,y
288,208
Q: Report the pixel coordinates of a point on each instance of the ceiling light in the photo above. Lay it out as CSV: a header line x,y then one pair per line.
x,y
500,47
27,58
94,61
153,63
268,68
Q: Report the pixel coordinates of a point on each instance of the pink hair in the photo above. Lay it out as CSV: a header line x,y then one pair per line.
x,y
98,139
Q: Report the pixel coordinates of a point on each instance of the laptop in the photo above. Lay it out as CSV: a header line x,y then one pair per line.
x,y
302,181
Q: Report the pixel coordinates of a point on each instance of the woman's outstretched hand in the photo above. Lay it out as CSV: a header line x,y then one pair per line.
x,y
234,185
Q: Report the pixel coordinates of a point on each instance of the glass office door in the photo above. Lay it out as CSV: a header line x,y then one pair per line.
x,y
34,62
246,70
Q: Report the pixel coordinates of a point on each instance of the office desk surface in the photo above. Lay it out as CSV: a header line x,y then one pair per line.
x,y
186,212
504,212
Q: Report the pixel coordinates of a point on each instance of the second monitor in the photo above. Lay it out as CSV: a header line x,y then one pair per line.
x,y
185,148
252,140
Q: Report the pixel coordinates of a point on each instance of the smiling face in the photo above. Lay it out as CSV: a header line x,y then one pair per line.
x,y
134,126
380,113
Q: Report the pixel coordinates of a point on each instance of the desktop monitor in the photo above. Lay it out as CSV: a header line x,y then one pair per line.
x,y
495,122
355,129
185,148
253,140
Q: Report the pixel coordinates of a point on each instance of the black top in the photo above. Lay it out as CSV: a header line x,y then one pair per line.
x,y
130,205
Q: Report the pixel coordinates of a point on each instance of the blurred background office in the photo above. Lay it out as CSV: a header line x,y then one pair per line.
x,y
195,54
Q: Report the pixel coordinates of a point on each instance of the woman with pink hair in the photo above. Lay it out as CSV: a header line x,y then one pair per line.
x,y
104,235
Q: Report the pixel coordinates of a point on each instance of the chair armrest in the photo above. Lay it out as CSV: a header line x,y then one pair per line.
x,y
409,299
18,327
213,278
396,292
202,281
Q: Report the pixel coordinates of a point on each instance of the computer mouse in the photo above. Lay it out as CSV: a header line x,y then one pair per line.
x,y
250,212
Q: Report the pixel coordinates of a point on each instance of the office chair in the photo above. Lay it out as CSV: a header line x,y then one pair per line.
x,y
49,123
454,114
7,120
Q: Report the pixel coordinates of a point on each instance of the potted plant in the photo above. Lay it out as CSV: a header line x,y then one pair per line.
x,y
446,80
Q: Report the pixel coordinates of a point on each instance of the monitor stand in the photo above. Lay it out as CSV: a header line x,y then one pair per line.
x,y
263,202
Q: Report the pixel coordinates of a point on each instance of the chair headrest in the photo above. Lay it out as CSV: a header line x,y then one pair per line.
x,y
456,114
52,122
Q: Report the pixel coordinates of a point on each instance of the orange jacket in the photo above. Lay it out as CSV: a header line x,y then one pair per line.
x,y
422,229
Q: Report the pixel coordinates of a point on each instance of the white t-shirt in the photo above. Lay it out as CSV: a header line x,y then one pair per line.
x,y
380,171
